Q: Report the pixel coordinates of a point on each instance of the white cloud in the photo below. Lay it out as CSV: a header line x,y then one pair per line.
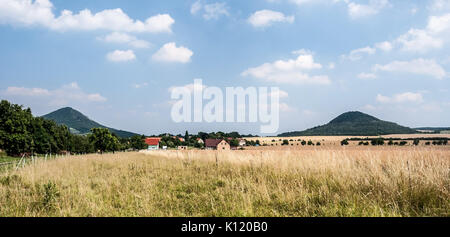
x,y
385,46
22,91
356,10
426,67
357,54
401,98
434,36
286,108
366,76
196,7
70,93
266,18
300,2
210,11
121,56
124,38
292,71
171,53
439,5
419,41
331,66
40,13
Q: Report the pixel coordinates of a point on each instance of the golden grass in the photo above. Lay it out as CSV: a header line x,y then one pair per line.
x,y
388,181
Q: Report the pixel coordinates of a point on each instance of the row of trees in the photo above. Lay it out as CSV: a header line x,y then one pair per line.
x,y
20,133
381,141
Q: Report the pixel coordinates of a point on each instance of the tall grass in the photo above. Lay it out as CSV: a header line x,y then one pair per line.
x,y
320,182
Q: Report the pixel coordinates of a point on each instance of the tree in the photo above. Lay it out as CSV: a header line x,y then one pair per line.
x,y
186,138
344,142
377,142
15,123
138,142
285,143
103,140
234,142
416,142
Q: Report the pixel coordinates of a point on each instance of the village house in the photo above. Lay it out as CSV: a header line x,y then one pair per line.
x,y
242,142
153,143
217,144
200,141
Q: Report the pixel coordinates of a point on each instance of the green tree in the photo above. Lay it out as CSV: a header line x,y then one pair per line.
x,y
138,142
234,142
15,123
103,140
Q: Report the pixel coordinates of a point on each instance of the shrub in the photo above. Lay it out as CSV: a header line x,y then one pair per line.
x,y
377,142
285,143
344,142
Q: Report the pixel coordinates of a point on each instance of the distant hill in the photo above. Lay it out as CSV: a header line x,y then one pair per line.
x,y
78,123
433,129
353,124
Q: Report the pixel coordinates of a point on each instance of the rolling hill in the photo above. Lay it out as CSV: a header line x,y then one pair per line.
x,y
78,123
353,123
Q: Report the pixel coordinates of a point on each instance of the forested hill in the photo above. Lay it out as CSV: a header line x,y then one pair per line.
x,y
78,123
353,123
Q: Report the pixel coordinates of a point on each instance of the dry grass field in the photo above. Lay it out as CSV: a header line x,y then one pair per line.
x,y
295,142
319,181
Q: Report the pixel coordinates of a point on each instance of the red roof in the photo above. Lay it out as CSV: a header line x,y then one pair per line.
x,y
212,142
152,141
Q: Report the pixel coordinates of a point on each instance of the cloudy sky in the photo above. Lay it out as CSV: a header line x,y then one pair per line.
x,y
116,60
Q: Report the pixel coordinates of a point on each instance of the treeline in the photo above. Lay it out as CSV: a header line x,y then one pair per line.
x,y
396,142
21,133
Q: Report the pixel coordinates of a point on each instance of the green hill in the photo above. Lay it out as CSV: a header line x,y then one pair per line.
x,y
353,124
78,123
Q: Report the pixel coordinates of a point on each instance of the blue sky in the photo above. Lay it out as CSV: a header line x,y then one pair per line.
x,y
115,61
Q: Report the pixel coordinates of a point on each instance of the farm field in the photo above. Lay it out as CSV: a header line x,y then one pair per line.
x,y
317,181
295,142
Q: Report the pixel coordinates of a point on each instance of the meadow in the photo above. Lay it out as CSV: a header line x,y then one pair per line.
x,y
317,181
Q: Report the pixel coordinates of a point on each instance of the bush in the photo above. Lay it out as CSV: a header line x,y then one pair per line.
x,y
344,142
310,143
377,142
285,143
303,142
402,143
416,142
